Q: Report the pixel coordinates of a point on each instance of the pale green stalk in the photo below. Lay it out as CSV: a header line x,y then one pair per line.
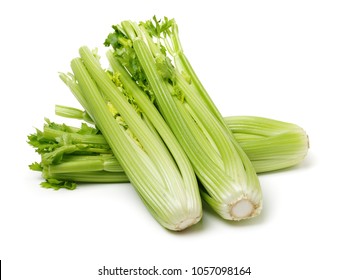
x,y
70,112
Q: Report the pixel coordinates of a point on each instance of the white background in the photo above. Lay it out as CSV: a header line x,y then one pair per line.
x,y
280,59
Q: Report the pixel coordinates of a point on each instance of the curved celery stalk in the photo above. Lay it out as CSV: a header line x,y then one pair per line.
x,y
230,184
155,172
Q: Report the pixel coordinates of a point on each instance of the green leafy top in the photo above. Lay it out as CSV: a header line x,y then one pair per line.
x,y
166,32
55,140
123,50
157,27
121,42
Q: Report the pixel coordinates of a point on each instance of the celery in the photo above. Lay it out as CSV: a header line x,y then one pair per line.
x,y
270,145
163,178
229,181
156,126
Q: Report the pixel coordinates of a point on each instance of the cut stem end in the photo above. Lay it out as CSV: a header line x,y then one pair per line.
x,y
242,209
187,223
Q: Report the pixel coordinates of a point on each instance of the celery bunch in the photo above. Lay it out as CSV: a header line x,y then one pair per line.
x,y
152,123
144,52
138,136
71,155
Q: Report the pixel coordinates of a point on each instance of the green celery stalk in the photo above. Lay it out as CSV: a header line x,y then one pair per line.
x,y
91,177
70,112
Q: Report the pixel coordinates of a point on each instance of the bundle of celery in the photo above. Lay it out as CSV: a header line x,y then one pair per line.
x,y
156,126
143,53
138,136
70,155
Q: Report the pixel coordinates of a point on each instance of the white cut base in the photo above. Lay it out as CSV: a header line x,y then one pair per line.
x,y
187,223
242,209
